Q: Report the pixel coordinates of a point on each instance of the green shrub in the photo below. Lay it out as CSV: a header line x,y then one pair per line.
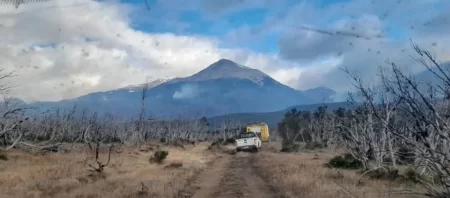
x,y
3,155
159,157
346,161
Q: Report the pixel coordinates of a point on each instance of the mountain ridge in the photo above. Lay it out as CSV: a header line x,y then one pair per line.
x,y
225,69
220,88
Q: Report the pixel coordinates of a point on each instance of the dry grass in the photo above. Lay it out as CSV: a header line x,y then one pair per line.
x,y
304,175
67,175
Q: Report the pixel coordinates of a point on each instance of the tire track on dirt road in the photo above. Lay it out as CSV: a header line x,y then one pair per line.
x,y
231,177
240,179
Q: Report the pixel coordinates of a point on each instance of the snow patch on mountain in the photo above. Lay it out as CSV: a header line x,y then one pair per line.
x,y
138,87
224,69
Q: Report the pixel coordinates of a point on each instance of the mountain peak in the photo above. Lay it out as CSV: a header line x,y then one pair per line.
x,y
227,64
225,68
224,60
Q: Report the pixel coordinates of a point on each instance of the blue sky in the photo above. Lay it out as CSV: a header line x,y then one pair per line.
x,y
197,21
250,18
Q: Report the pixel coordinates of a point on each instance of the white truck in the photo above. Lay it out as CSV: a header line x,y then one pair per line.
x,y
248,141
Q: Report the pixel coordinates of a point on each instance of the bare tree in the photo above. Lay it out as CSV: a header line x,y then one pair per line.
x,y
139,127
410,115
101,165
426,107
381,105
11,115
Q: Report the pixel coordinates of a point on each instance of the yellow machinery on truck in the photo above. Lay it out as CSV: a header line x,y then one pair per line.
x,y
260,128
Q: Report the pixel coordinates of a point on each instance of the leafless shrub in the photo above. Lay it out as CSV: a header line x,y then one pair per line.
x,y
412,115
11,116
100,165
401,121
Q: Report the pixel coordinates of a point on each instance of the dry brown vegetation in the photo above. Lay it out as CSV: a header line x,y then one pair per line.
x,y
305,175
130,174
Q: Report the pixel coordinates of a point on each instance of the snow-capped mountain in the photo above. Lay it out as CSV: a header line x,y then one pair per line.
x,y
226,69
221,88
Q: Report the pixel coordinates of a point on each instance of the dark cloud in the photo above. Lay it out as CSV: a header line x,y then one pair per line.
x,y
309,44
374,32
223,6
211,8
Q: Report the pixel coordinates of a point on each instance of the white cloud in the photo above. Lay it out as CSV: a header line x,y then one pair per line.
x,y
62,50
186,91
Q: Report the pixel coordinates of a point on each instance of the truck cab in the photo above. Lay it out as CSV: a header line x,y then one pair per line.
x,y
248,141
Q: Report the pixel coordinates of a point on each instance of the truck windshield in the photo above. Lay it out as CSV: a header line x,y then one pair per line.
x,y
247,135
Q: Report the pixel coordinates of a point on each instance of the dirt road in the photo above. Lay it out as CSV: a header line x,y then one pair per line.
x,y
231,177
